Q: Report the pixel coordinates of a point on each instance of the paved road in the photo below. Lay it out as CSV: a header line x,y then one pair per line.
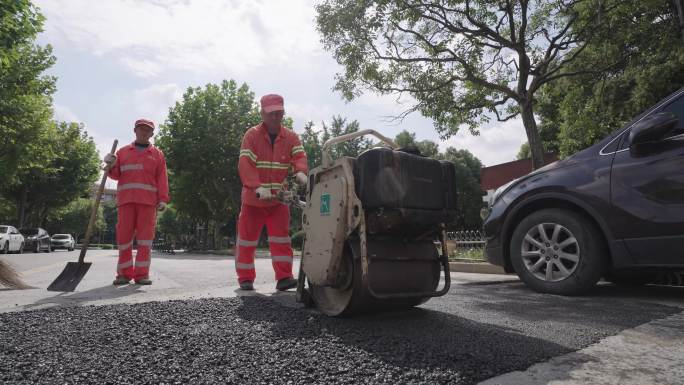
x,y
489,329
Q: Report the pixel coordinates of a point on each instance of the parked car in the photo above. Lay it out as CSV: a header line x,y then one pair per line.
x,y
613,210
62,241
36,239
11,240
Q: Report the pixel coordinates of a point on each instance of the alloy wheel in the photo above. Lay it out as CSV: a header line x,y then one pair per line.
x,y
550,252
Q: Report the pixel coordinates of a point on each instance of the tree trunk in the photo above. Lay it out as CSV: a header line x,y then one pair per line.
x,y
21,207
533,138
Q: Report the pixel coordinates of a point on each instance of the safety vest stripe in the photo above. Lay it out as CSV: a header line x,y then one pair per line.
x,y
244,266
248,154
133,186
142,264
273,165
279,239
124,265
272,186
125,246
243,242
133,166
282,258
144,242
297,150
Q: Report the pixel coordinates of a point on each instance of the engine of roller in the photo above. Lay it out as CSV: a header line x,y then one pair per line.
x,y
374,230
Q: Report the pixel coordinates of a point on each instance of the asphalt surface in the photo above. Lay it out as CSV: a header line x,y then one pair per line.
x,y
477,331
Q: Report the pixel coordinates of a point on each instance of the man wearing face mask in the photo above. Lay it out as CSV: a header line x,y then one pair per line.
x,y
269,150
143,188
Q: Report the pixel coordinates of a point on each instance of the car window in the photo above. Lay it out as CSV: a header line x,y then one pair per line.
x,y
29,231
60,236
677,108
3,229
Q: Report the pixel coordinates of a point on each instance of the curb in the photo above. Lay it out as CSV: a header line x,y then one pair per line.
x,y
477,267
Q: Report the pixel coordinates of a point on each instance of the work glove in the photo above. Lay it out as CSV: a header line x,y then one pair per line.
x,y
301,179
263,193
109,160
161,206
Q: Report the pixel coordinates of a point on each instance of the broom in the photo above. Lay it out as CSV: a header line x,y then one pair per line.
x,y
10,278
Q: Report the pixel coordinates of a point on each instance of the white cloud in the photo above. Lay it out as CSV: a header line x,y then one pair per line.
x,y
154,101
64,113
497,143
150,37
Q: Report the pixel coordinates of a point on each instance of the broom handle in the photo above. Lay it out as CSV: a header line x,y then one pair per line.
x,y
93,212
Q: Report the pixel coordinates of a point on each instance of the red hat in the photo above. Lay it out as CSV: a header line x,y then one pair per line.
x,y
272,102
144,122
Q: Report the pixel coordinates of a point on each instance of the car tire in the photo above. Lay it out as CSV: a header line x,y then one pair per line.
x,y
37,248
6,249
556,251
21,249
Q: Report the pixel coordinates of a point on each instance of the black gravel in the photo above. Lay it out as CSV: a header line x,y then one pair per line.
x,y
259,340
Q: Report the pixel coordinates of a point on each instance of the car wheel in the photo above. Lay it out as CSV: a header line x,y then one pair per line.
x,y
558,252
37,248
6,249
21,248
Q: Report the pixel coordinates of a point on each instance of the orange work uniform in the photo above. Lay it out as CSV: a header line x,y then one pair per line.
x,y
143,183
264,163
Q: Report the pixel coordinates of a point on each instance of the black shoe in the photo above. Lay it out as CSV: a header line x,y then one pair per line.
x,y
286,283
143,281
121,281
246,285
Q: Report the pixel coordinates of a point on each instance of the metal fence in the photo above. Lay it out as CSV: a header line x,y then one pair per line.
x,y
466,245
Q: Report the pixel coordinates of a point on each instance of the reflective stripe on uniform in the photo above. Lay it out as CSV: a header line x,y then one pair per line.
x,y
144,242
243,242
282,258
279,239
142,264
142,186
125,245
249,154
240,265
124,265
272,186
297,149
273,165
134,166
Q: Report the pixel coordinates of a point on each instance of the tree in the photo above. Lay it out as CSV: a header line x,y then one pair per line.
x,y
69,170
25,92
73,219
313,140
201,141
426,147
465,62
643,39
468,189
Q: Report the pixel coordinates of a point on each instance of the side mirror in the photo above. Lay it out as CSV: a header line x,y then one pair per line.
x,y
653,128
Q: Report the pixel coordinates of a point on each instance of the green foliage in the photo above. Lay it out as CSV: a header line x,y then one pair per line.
x,y
640,46
25,93
63,169
524,152
73,219
468,190
313,140
201,141
464,62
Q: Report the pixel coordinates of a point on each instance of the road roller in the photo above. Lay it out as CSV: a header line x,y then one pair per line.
x,y
374,229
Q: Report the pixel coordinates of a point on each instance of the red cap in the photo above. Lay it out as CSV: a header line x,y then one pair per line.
x,y
272,102
144,122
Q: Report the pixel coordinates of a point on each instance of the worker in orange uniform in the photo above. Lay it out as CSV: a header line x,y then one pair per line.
x,y
143,189
268,152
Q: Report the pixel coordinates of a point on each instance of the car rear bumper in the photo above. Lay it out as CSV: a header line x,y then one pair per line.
x,y
494,253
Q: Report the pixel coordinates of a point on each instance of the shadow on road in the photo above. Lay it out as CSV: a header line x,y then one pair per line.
x,y
77,298
411,339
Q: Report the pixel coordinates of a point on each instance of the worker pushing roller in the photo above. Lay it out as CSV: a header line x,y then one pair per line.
x,y
269,150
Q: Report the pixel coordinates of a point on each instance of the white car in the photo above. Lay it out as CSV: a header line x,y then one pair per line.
x,y
62,241
11,240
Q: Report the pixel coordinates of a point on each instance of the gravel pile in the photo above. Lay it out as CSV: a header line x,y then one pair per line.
x,y
252,340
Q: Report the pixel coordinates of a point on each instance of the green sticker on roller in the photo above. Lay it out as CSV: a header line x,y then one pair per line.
x,y
325,204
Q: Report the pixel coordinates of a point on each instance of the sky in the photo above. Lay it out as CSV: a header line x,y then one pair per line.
x,y
120,60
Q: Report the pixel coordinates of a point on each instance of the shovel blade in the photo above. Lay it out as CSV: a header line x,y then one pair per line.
x,y
71,276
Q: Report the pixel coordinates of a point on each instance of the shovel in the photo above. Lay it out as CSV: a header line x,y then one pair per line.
x,y
74,272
